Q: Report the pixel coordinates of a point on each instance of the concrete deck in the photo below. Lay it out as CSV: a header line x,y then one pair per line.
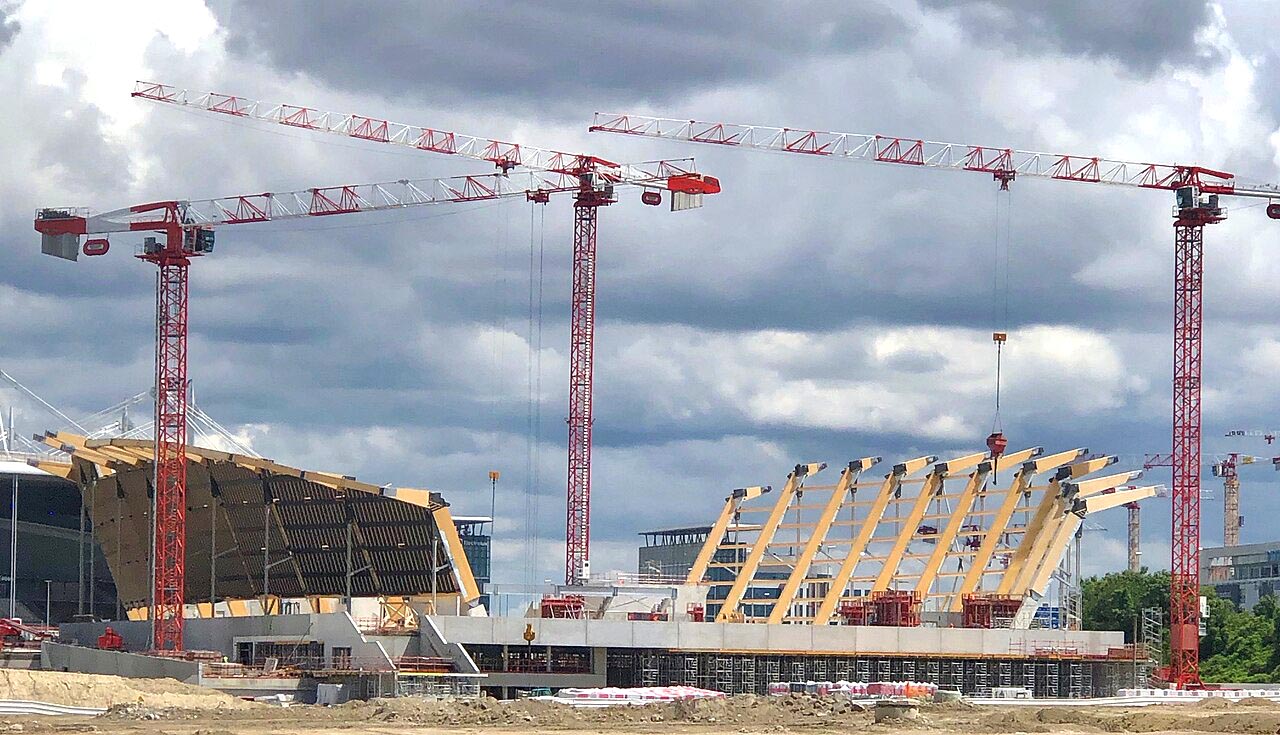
x,y
759,638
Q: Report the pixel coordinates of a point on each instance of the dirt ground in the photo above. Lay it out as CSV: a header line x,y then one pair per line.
x,y
165,707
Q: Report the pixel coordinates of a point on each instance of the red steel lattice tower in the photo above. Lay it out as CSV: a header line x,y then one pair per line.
x,y
170,441
582,326
1188,317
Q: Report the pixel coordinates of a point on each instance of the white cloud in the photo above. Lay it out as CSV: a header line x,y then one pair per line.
x,y
811,311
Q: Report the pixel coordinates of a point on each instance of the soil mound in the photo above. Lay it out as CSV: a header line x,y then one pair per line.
x,y
93,690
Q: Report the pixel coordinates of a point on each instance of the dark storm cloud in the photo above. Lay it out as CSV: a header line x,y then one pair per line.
x,y
9,26
1142,35
538,52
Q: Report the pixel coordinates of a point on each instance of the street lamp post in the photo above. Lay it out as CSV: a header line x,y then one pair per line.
x,y
47,599
13,551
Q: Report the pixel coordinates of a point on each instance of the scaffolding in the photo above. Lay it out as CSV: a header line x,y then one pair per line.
x,y
989,611
896,608
568,606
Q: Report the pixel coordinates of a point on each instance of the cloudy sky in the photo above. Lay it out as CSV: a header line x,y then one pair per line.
x,y
814,311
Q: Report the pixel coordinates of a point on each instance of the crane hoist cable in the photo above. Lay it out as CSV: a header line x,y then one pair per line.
x,y
996,440
533,460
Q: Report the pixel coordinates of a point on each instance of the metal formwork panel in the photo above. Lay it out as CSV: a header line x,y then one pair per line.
x,y
1075,680
820,669
981,678
933,671
1005,674
648,669
862,670
953,674
883,672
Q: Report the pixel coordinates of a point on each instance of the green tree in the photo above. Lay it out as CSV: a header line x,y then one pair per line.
x,y
1115,601
1241,646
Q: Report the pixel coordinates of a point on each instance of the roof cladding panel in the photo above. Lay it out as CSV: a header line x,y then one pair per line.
x,y
311,529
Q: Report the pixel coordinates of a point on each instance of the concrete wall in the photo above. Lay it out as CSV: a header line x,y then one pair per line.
x,y
222,634
62,657
432,642
774,638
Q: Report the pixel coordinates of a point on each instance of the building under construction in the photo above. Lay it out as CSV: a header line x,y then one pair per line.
x,y
935,571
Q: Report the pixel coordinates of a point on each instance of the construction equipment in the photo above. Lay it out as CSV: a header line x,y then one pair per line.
x,y
1198,192
1269,435
1225,466
187,228
1228,469
592,181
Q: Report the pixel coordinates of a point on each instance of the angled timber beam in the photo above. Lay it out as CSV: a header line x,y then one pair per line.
x,y
888,490
1043,545
1000,521
819,534
447,532
961,509
1081,507
74,445
932,484
708,550
1043,514
59,469
752,563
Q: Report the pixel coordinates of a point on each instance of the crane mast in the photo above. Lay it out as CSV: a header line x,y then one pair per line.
x,y
186,232
1197,189
592,179
172,265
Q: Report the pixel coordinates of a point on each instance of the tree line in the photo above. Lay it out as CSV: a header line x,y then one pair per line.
x,y
1239,646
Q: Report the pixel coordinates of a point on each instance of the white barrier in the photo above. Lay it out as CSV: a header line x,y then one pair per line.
x,y
26,707
607,696
1195,695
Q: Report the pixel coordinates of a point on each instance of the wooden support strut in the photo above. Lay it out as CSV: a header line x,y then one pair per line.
x,y
1081,503
1000,521
716,535
1050,534
1042,515
748,571
818,535
961,509
888,489
932,484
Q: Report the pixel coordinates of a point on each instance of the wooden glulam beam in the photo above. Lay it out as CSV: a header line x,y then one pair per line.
x,y
848,477
715,538
888,489
729,607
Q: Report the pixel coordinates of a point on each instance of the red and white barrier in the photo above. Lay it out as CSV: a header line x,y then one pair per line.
x,y
606,696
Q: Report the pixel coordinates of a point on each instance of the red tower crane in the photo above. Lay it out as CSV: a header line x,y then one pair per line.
x,y
686,187
187,230
1197,204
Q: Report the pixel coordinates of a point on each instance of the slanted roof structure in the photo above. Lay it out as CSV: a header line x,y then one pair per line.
x,y
942,530
260,529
